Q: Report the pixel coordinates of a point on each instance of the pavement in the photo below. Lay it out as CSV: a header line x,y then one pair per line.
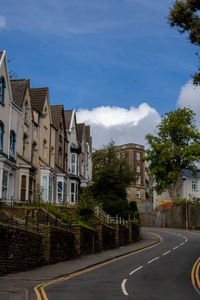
x,y
20,285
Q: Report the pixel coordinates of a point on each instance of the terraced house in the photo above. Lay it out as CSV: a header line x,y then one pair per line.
x,y
39,146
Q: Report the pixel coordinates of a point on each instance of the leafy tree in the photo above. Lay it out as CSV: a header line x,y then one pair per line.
x,y
111,178
176,147
86,203
185,16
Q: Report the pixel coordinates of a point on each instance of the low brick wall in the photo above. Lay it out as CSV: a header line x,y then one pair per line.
x,y
134,232
121,235
19,249
86,240
106,236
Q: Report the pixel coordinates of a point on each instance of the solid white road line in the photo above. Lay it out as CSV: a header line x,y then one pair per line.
x,y
123,287
175,247
131,273
149,262
167,252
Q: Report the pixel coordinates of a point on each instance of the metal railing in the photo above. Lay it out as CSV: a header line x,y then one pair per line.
x,y
108,218
28,219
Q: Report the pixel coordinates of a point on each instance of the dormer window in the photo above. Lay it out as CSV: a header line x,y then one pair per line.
x,y
2,90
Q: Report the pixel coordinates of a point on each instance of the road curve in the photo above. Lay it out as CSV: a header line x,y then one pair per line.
x,y
167,271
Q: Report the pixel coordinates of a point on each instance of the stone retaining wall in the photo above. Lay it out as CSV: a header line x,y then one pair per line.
x,y
174,217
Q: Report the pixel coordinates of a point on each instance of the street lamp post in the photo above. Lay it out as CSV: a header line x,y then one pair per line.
x,y
186,206
186,214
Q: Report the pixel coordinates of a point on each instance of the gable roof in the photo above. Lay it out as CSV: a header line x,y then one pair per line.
x,y
80,129
38,96
189,174
68,117
56,113
19,87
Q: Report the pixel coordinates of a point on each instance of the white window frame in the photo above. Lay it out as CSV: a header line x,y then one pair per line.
x,y
5,187
138,194
137,155
194,185
74,163
138,168
48,191
138,180
73,194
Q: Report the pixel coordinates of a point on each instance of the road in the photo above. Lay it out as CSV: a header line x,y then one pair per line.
x,y
158,273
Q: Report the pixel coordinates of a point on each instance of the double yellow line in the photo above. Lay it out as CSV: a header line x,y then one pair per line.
x,y
39,289
195,276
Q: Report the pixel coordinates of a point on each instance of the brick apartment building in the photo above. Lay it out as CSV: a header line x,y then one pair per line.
x,y
133,153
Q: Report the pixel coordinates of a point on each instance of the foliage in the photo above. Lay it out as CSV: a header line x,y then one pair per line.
x,y
134,213
86,203
185,16
111,177
176,147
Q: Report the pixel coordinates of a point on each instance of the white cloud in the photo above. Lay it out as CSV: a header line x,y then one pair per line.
x,y
2,22
189,96
119,124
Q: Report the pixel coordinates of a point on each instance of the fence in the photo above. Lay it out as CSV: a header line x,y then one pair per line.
x,y
108,218
28,217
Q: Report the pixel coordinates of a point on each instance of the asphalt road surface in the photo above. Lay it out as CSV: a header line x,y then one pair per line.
x,y
166,271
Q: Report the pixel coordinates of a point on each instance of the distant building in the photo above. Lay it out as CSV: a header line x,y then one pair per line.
x,y
189,188
85,157
74,149
132,154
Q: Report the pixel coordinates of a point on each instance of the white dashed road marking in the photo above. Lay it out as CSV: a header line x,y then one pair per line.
x,y
149,262
175,247
167,252
131,273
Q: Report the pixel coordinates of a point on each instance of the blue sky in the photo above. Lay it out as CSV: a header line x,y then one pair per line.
x,y
99,56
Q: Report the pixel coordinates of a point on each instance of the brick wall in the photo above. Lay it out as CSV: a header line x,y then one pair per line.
x,y
19,249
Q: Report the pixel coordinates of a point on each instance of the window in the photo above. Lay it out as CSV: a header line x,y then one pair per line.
x,y
4,185
138,181
44,149
138,194
50,190
74,165
1,135
44,188
12,143
30,189
34,151
25,144
65,193
137,156
124,155
23,188
60,191
138,169
194,185
2,90
73,192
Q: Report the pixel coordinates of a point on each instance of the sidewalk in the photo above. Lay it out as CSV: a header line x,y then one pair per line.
x,y
53,271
